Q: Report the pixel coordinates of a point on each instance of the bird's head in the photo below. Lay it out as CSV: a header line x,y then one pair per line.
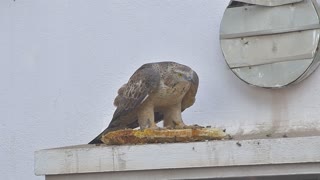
x,y
183,74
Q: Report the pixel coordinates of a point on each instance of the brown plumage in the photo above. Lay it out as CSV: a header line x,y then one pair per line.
x,y
155,92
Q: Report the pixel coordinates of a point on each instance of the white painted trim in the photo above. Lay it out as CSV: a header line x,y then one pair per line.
x,y
91,158
199,173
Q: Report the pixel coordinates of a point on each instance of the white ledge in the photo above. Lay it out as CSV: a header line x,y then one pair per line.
x,y
282,156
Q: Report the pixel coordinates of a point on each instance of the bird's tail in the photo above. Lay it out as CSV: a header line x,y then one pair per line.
x,y
114,125
97,140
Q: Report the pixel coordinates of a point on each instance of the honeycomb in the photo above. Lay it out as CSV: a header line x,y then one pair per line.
x,y
148,136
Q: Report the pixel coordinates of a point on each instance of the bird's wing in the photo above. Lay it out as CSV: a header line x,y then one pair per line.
x,y
190,96
143,82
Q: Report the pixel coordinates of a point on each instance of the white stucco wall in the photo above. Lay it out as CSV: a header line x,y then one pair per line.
x,y
61,64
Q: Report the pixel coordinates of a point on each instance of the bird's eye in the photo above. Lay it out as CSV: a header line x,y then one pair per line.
x,y
179,74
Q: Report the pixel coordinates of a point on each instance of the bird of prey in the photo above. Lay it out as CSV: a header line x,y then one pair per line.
x,y
155,92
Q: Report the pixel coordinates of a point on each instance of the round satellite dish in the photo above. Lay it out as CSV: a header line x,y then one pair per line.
x,y
271,43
